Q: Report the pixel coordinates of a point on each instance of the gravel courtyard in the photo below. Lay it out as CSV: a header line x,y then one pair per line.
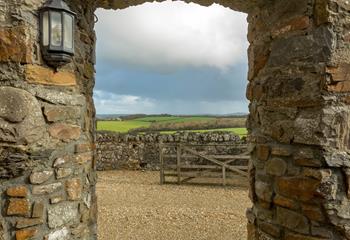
x,y
133,206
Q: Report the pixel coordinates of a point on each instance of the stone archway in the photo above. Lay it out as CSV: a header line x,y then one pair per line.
x,y
298,123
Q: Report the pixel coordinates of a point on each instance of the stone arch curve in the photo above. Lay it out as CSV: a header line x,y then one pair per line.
x,y
298,125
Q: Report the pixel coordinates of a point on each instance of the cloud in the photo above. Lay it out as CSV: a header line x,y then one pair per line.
x,y
169,35
109,103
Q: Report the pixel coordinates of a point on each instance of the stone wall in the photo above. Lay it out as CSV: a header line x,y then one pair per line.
x,y
47,175
125,151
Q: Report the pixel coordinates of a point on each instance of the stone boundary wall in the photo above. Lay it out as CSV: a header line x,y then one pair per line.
x,y
132,152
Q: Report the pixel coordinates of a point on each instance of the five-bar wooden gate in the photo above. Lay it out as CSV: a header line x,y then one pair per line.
x,y
180,161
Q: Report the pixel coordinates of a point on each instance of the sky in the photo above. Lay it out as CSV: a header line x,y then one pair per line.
x,y
171,57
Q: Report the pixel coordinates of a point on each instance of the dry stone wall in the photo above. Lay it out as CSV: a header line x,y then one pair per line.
x,y
133,152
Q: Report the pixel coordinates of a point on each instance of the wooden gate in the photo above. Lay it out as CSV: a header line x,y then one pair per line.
x,y
186,168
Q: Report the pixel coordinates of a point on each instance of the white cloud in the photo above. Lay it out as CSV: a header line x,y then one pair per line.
x,y
109,103
172,34
106,103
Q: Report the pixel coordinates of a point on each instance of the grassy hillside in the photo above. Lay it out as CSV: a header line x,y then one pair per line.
x,y
171,124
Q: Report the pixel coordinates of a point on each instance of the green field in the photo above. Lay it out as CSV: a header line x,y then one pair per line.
x,y
127,125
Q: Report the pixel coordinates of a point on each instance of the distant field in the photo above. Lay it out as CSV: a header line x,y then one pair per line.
x,y
171,124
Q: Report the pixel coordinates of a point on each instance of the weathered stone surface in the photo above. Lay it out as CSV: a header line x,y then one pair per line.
x,y
271,229
57,199
61,214
47,189
294,236
38,210
298,23
61,234
18,191
292,220
40,177
29,222
21,119
262,152
313,213
73,189
26,234
14,44
59,113
281,151
59,97
64,132
301,188
41,75
61,161
276,167
285,202
264,191
18,207
63,172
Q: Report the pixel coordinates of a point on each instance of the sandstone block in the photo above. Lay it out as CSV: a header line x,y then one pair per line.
x,y
262,152
57,199
18,191
271,229
18,207
298,23
301,188
313,213
84,147
281,151
59,113
83,158
42,75
292,220
15,45
73,189
26,234
285,202
40,177
64,132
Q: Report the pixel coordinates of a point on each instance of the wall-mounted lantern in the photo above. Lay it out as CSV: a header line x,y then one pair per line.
x,y
57,33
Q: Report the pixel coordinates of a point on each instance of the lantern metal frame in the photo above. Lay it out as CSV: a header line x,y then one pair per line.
x,y
56,56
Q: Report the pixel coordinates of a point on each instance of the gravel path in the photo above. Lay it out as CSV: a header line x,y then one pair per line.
x,y
133,206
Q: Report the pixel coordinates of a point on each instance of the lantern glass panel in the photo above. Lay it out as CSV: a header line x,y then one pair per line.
x,y
68,32
45,30
56,29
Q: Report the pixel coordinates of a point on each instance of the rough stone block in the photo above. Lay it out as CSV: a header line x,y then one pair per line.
x,y
47,189
15,45
40,177
285,202
313,213
59,113
18,207
63,172
294,236
292,220
271,229
301,188
62,214
264,191
298,23
73,189
276,167
38,210
18,191
26,234
64,132
29,222
281,151
61,234
41,75
262,152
